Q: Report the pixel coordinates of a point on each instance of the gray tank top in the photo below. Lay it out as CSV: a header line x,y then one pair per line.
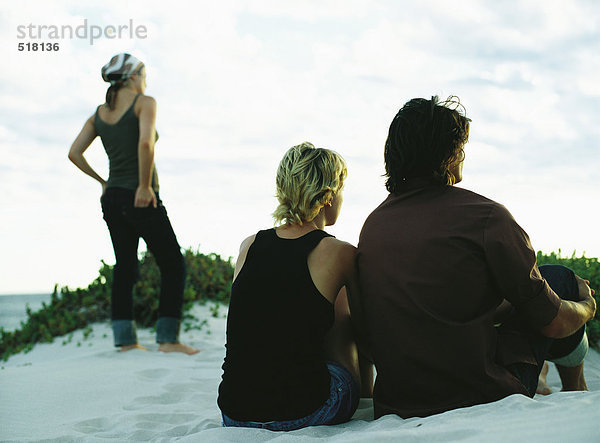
x,y
120,142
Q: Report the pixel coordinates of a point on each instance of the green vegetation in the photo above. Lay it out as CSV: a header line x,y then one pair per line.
x,y
208,278
588,269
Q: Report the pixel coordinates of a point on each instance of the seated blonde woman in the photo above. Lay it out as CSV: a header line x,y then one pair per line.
x,y
291,359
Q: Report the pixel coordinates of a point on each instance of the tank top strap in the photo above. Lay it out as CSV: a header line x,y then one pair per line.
x,y
303,245
135,99
132,106
96,116
308,242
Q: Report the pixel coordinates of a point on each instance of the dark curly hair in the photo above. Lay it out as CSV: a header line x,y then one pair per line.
x,y
426,138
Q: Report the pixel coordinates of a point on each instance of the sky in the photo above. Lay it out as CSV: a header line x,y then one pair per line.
x,y
239,82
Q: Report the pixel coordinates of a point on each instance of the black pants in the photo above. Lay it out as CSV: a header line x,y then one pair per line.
x,y
126,225
562,281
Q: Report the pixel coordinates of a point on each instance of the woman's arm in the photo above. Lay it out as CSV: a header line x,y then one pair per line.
x,y
79,146
357,320
354,300
144,194
332,266
242,255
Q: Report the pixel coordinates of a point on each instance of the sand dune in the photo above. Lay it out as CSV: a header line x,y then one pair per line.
x,y
85,390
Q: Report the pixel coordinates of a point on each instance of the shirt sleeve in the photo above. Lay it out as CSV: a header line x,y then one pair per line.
x,y
512,263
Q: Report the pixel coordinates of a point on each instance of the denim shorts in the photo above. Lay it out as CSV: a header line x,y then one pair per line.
x,y
339,407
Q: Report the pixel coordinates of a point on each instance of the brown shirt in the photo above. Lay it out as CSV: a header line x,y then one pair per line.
x,y
435,262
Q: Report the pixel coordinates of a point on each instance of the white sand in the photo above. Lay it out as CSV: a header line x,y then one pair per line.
x,y
93,393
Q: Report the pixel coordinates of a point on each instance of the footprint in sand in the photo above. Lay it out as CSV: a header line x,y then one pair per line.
x,y
166,398
152,374
145,426
93,426
172,425
154,419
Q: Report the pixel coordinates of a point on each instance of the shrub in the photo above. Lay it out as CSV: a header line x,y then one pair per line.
x,y
208,277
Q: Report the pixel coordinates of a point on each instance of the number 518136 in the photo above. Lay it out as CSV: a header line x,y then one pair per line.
x,y
47,47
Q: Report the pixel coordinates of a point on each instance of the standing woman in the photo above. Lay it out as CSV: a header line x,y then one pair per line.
x,y
130,201
291,359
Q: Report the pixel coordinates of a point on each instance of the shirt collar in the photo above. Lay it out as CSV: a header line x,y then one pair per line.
x,y
412,183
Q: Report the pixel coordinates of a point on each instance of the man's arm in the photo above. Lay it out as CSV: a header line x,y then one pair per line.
x,y
572,315
502,311
512,264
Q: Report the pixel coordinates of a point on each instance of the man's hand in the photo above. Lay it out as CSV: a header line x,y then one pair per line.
x,y
144,197
572,315
586,294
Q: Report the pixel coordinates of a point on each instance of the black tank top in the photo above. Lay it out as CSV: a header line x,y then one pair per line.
x,y
274,366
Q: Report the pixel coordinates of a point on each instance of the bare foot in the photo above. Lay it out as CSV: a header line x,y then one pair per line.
x,y
131,347
177,347
542,387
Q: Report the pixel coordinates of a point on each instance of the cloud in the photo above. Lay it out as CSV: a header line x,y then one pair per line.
x,y
237,83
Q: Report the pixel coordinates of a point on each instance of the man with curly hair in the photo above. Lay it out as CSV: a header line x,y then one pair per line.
x,y
456,309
